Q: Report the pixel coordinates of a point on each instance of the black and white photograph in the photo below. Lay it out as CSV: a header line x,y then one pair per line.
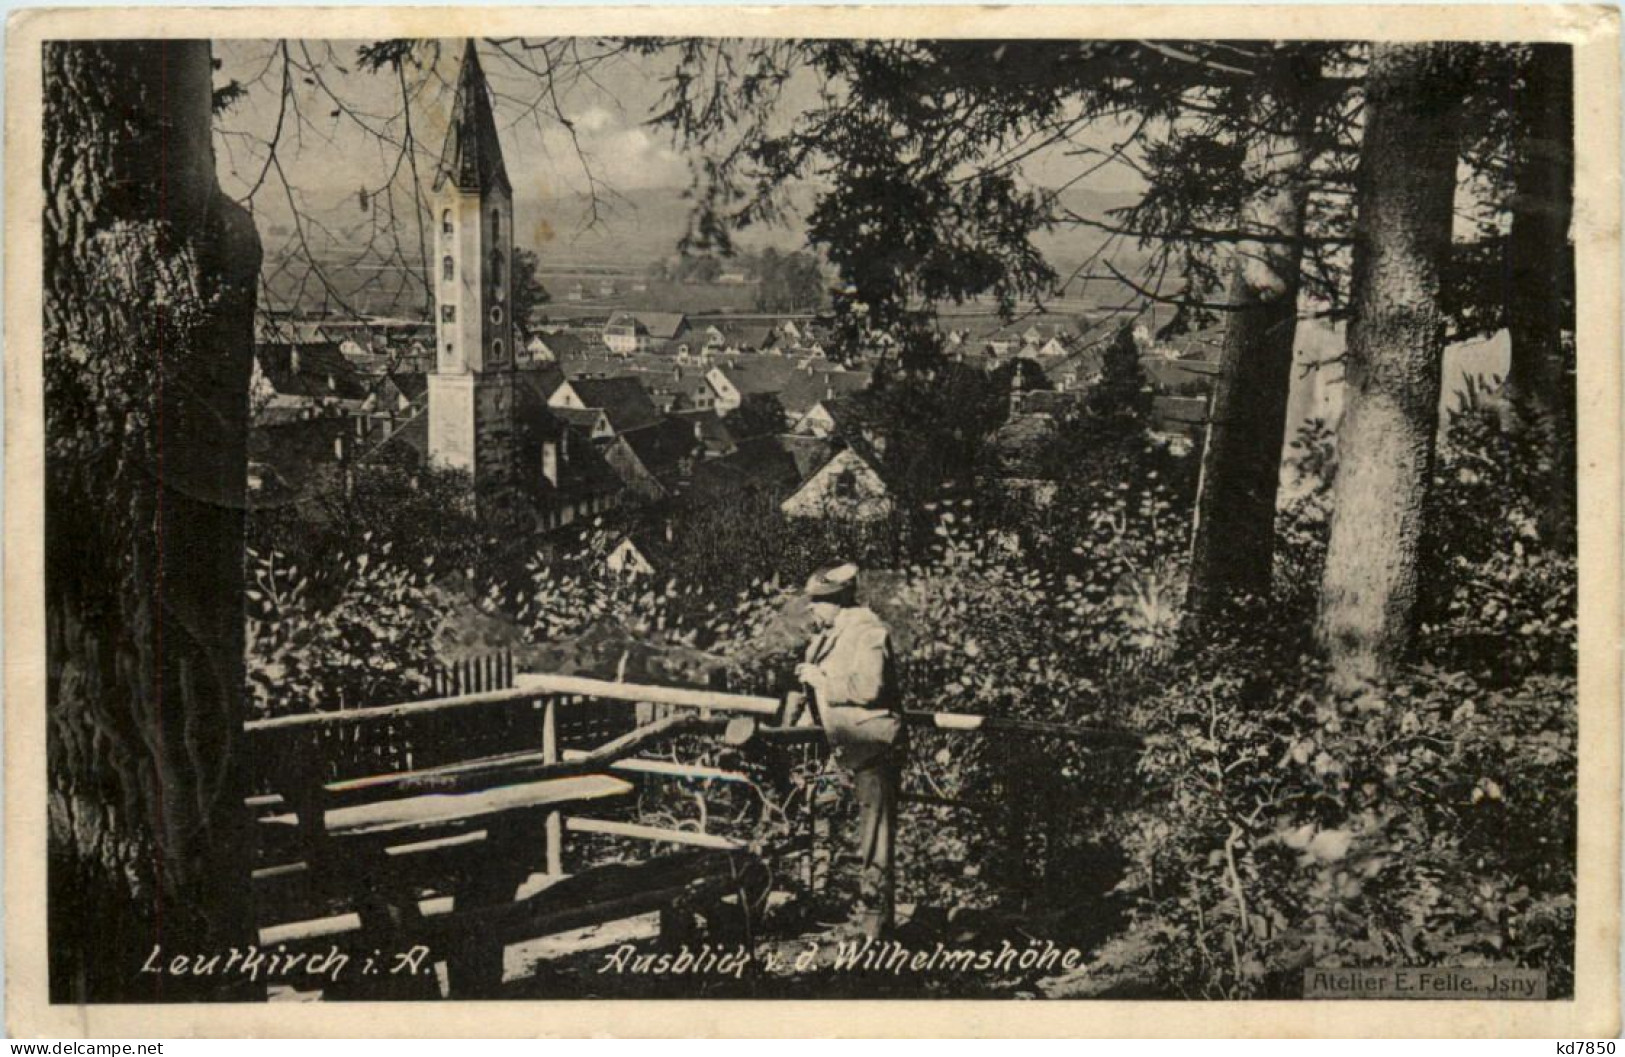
x,y
794,516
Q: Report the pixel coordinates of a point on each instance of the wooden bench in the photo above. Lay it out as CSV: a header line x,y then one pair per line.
x,y
441,857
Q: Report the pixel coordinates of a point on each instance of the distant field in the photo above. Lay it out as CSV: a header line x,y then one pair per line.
x,y
696,299
292,284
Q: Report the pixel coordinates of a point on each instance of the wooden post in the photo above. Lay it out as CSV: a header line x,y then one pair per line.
x,y
550,754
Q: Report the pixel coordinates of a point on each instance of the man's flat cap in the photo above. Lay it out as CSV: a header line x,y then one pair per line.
x,y
832,580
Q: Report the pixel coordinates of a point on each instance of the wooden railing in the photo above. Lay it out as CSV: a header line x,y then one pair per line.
x,y
523,726
495,736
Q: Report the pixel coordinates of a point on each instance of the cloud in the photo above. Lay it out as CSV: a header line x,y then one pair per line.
x,y
594,119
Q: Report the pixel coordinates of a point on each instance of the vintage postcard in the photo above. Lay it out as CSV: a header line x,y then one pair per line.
x,y
1064,521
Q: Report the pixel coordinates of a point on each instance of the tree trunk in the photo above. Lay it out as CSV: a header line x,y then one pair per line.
x,y
1540,266
1232,542
1386,442
149,276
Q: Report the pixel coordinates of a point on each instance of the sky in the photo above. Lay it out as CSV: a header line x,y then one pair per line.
x,y
342,128
352,125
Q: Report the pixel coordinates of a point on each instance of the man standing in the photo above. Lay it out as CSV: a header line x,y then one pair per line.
x,y
850,675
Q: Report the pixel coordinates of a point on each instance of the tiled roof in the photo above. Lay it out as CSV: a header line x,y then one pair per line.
x,y
583,418
322,372
714,433
1179,412
809,453
807,389
582,469
413,384
663,326
760,463
566,344
622,399
1206,345
661,447
760,374
1168,375
540,384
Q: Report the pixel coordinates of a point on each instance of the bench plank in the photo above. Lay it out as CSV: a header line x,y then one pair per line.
x,y
416,812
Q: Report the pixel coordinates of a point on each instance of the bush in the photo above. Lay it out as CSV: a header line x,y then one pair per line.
x,y
369,640
1497,602
1430,822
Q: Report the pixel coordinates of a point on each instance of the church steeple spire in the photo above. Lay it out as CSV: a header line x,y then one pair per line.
x,y
471,424
472,155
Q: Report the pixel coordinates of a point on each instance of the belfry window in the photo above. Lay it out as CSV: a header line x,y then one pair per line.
x,y
496,225
448,268
496,268
445,223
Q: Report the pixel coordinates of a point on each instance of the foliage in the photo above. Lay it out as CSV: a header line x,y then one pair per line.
x,y
1428,822
368,640
758,415
698,268
928,427
924,148
789,282
1303,523
528,291
1497,602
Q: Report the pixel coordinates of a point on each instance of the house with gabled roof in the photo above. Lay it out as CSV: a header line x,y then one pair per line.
x,y
537,350
626,334
561,465
592,422
754,338
742,376
1003,342
805,391
663,326
769,465
655,462
622,399
716,440
1054,348
308,378
1078,371
849,486
818,421
397,395
1179,422
639,553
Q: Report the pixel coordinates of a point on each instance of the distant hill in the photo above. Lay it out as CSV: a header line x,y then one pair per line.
x,y
630,231
644,226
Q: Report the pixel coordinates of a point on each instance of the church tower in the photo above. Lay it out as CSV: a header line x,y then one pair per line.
x,y
471,392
